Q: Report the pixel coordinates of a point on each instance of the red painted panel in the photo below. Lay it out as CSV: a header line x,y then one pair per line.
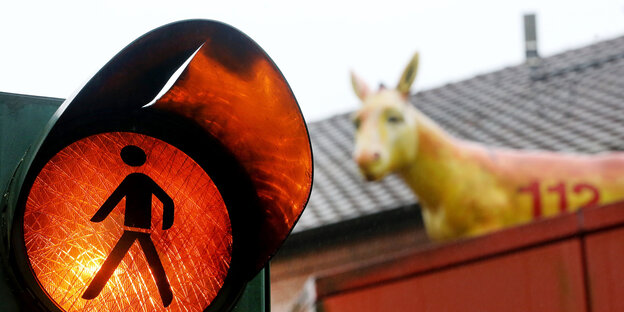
x,y
547,278
440,256
597,218
605,259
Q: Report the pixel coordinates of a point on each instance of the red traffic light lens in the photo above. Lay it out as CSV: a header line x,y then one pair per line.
x,y
67,244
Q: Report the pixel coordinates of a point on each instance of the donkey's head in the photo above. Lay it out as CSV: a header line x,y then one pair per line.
x,y
386,136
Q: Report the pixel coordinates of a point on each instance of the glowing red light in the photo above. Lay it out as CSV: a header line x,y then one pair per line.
x,y
66,249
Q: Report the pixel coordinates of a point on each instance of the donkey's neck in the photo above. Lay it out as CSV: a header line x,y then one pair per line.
x,y
430,172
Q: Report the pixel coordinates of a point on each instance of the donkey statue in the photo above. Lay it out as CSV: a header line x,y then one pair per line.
x,y
467,188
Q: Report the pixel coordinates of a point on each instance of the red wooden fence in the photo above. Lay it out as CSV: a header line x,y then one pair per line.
x,y
574,262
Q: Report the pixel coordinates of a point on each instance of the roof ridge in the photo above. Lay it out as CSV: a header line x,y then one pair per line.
x,y
539,76
547,62
597,62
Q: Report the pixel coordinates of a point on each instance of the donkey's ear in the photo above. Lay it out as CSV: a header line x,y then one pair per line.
x,y
409,75
359,86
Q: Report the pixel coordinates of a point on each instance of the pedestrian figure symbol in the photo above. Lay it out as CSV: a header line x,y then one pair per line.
x,y
138,189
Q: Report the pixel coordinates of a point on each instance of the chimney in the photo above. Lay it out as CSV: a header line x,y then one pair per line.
x,y
530,42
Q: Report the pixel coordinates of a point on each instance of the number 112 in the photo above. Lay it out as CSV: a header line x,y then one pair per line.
x,y
560,189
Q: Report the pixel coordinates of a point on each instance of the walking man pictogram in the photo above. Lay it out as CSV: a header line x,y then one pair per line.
x,y
138,189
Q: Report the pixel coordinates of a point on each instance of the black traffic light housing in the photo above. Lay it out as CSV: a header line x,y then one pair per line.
x,y
125,96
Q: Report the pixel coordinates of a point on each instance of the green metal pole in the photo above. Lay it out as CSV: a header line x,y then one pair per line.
x,y
257,295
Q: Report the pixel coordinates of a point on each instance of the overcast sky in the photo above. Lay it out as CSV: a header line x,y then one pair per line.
x,y
51,48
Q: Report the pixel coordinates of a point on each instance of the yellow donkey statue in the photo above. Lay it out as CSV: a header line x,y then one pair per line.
x,y
467,188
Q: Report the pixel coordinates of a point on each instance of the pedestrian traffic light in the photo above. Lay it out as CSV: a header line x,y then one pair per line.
x,y
165,184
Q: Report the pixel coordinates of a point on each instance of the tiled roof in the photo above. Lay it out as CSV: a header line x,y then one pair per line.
x,y
573,101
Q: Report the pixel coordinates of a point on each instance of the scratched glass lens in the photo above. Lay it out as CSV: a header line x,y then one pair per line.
x,y
67,246
248,105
